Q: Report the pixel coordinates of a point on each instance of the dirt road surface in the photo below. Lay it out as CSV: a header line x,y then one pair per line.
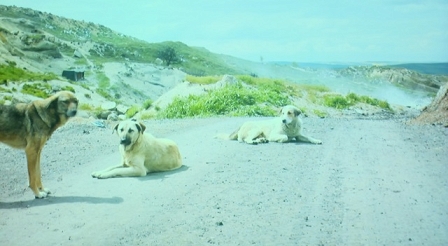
x,y
372,182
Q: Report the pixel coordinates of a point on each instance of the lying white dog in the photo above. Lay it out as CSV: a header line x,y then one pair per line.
x,y
141,153
281,129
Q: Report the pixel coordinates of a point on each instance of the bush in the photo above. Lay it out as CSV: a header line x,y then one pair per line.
x,y
341,102
336,101
132,111
37,89
232,100
68,88
202,80
12,73
147,104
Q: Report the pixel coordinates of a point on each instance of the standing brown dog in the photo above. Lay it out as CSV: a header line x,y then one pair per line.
x,y
29,126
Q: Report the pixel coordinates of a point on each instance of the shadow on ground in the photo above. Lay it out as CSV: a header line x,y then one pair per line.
x,y
58,200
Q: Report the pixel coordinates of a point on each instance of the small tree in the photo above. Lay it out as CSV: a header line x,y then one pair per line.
x,y
168,56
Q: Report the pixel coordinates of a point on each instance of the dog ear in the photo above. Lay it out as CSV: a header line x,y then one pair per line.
x,y
280,111
297,112
46,109
115,128
141,128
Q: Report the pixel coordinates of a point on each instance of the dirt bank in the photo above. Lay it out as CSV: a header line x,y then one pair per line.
x,y
372,182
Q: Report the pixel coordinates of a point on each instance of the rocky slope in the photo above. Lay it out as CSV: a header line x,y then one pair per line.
x,y
125,70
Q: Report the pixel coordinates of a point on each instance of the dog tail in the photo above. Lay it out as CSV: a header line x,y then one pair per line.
x,y
233,136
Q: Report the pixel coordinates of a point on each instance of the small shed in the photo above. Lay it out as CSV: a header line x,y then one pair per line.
x,y
73,75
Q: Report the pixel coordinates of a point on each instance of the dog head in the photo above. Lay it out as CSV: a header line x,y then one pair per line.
x,y
61,106
289,114
129,131
67,103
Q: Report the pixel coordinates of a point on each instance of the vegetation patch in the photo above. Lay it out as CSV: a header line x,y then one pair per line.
x,y
68,88
132,111
231,100
202,80
147,103
37,89
9,72
343,102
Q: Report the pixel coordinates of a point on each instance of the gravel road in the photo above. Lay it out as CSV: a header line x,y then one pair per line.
x,y
372,182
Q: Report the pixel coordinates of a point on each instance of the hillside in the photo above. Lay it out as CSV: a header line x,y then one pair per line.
x,y
127,71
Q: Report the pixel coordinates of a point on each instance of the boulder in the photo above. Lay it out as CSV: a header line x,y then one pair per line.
x,y
108,105
122,109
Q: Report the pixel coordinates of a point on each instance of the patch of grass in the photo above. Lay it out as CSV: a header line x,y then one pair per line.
x,y
85,106
202,80
103,81
104,93
146,116
4,90
132,111
232,100
319,113
68,88
337,101
41,90
343,102
10,72
147,103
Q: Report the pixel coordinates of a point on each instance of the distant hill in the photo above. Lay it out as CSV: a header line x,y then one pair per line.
x,y
426,68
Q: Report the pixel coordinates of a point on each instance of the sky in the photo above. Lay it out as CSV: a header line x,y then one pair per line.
x,y
276,30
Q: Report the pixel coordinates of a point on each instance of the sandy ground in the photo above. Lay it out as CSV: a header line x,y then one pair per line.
x,y
372,182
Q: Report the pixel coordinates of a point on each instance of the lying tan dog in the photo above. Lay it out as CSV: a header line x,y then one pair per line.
x,y
141,153
29,126
281,129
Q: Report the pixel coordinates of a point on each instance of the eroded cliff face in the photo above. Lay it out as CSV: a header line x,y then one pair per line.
x,y
398,76
437,111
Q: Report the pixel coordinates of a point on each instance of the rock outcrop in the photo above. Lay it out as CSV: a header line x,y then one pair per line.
x,y
437,112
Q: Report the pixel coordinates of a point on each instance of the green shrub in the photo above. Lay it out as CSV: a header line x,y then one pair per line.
x,y
10,72
147,103
37,89
336,101
68,88
85,106
202,80
146,116
341,102
105,94
132,111
320,113
230,100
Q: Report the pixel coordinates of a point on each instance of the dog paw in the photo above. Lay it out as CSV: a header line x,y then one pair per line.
x,y
263,140
40,195
95,174
45,190
99,175
317,141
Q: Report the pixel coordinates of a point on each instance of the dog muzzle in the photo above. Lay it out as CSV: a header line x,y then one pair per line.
x,y
125,141
71,113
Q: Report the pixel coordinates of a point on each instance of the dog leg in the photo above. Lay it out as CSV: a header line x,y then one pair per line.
x,y
131,171
33,173
98,173
280,138
134,168
308,139
39,175
254,137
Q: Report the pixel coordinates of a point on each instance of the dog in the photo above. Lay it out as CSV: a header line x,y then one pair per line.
x,y
287,127
141,153
28,126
